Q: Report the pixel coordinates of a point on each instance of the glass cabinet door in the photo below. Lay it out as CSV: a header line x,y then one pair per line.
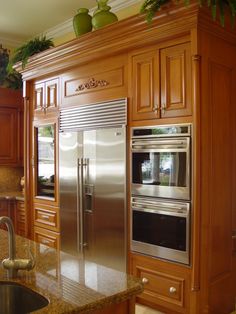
x,y
45,161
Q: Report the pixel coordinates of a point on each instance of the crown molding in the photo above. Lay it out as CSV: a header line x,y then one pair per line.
x,y
8,42
67,26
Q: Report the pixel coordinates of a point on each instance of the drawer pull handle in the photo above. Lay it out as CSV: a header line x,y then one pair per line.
x,y
172,290
45,241
144,280
45,216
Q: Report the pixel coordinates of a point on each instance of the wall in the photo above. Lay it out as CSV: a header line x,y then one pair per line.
x,y
10,179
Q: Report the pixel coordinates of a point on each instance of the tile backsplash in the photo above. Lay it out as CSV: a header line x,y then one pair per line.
x,y
10,178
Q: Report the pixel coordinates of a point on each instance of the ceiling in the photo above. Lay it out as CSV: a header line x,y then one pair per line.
x,y
25,19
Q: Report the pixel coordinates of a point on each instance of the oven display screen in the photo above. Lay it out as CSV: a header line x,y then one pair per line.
x,y
159,229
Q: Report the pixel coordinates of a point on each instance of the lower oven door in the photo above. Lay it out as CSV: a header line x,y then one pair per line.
x,y
161,229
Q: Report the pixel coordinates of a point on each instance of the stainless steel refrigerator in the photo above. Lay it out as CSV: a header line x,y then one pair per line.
x,y
92,180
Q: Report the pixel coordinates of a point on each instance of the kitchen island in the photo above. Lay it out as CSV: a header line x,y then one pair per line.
x,y
72,284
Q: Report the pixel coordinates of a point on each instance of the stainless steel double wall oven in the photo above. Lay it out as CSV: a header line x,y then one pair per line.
x,y
161,191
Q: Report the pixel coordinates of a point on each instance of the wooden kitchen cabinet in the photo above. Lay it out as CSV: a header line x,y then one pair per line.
x,y
11,127
46,96
47,237
97,81
174,71
7,208
165,285
45,182
20,218
46,217
161,82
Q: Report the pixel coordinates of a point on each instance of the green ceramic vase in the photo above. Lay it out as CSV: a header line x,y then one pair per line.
x,y
103,17
82,22
101,4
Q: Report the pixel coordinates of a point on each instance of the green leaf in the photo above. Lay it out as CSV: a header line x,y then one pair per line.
x,y
30,48
213,11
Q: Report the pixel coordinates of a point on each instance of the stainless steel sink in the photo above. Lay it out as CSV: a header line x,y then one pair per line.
x,y
18,299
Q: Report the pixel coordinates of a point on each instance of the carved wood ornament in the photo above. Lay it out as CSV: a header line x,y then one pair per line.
x,y
92,83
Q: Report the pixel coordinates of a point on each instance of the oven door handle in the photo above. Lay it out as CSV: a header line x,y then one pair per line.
x,y
144,204
177,213
163,144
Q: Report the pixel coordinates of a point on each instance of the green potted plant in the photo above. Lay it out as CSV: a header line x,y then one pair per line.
x,y
10,80
27,50
150,7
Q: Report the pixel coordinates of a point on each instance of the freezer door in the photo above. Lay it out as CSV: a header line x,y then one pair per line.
x,y
70,150
104,153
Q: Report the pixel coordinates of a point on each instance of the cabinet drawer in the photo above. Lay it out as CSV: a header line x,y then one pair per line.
x,y
46,237
162,286
166,285
46,217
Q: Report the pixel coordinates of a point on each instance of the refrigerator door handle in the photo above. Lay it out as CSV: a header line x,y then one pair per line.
x,y
80,204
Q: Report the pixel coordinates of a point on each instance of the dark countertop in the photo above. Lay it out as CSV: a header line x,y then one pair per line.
x,y
13,195
71,284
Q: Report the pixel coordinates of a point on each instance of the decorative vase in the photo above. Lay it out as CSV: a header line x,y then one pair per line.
x,y
82,22
103,17
101,4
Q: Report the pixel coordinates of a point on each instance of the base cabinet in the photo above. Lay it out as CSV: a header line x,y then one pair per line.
x,y
20,218
165,285
46,237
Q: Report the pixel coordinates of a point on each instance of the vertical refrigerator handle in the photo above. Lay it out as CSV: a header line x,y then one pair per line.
x,y
80,204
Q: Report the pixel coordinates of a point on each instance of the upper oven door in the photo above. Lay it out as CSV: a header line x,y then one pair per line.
x,y
161,167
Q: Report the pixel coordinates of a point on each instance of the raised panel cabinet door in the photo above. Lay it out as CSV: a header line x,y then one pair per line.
x,y
145,83
39,100
46,95
51,89
8,136
176,81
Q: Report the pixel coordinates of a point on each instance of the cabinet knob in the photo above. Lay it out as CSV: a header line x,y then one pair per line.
x,y
163,108
172,290
144,280
155,108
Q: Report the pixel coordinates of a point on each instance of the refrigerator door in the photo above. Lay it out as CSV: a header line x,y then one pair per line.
x,y
93,165
104,153
70,151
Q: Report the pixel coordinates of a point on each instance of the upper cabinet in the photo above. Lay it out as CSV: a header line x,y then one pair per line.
x,y
46,96
161,82
11,127
95,82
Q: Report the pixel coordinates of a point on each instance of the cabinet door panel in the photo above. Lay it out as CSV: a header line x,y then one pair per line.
x,y
176,81
38,96
52,93
8,136
46,95
145,86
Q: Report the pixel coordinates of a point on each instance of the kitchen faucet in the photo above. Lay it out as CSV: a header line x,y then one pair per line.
x,y
13,264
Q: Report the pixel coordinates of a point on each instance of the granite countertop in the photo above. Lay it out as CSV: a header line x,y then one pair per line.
x,y
13,195
71,284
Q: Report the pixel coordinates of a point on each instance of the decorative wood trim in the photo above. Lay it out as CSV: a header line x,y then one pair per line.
x,y
196,214
92,83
